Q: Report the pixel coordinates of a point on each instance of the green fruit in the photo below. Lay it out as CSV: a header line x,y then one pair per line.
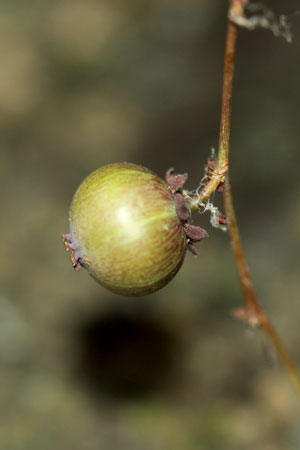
x,y
125,231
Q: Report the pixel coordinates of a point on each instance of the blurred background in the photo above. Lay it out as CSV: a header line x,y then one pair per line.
x,y
84,83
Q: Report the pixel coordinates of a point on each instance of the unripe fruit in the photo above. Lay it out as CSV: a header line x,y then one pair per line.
x,y
124,229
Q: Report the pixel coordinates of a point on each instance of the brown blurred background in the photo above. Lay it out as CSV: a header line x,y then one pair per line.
x,y
84,83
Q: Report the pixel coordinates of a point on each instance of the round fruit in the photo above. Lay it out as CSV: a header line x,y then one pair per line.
x,y
124,229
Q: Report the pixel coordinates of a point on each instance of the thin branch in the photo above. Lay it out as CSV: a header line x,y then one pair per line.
x,y
253,312
221,168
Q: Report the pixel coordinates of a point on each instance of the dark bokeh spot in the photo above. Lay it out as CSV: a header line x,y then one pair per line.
x,y
125,355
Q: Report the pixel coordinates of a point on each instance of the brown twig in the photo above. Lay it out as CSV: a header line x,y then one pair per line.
x,y
221,168
253,312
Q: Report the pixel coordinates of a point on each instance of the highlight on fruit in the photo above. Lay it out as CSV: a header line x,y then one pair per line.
x,y
130,229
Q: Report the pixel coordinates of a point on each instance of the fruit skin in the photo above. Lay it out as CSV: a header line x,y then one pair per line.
x,y
125,231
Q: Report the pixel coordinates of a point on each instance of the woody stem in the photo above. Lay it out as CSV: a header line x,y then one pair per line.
x,y
254,311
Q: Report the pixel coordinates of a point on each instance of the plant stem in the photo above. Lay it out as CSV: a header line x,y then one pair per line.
x,y
221,168
253,313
